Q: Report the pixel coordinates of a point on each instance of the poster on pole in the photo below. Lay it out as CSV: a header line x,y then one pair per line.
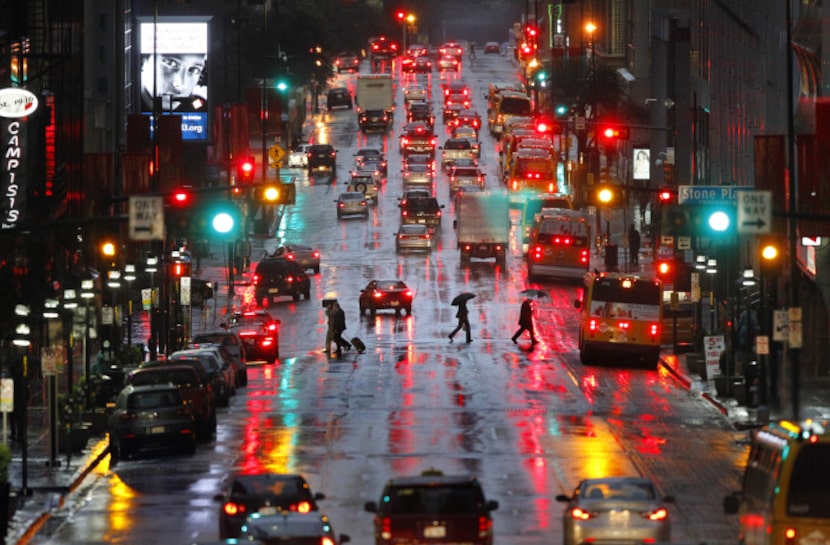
x,y
713,346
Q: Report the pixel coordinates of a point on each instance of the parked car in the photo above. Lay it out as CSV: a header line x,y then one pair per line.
x,y
433,508
149,419
221,375
291,528
618,509
303,255
352,203
279,277
298,158
413,237
194,391
263,494
259,333
386,295
229,341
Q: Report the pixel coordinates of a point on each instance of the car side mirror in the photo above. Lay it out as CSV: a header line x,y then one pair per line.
x,y
370,506
577,304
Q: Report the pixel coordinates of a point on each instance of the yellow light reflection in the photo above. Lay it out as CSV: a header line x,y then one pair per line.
x,y
122,507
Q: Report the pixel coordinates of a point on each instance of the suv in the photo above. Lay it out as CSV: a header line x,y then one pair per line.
x,y
322,156
373,119
425,211
279,278
338,96
231,343
429,509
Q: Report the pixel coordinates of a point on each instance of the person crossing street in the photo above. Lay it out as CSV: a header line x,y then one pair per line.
x,y
526,322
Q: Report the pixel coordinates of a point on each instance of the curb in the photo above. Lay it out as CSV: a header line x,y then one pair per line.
x,y
97,454
686,382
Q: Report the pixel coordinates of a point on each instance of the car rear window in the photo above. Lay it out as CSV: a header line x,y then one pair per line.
x,y
434,500
151,400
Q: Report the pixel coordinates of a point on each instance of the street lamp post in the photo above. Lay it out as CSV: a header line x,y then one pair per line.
x,y
129,278
87,294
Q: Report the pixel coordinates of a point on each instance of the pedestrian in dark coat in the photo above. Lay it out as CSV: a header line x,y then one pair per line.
x,y
338,324
526,322
634,244
463,321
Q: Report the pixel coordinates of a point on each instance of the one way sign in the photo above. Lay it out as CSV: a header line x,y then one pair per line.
x,y
754,212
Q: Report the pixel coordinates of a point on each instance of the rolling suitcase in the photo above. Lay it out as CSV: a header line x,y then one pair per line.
x,y
358,345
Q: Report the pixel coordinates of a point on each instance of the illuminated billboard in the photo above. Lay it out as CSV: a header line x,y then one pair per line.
x,y
174,73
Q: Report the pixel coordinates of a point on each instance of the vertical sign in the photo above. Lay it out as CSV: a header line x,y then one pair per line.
x,y
16,105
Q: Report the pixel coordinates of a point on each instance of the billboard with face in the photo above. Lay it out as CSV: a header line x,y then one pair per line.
x,y
174,64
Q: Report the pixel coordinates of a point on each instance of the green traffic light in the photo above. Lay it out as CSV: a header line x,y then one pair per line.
x,y
223,223
282,86
561,109
541,76
719,221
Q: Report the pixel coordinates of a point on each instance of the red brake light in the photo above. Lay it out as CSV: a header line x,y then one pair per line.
x,y
302,507
654,330
657,514
624,325
593,325
232,509
580,514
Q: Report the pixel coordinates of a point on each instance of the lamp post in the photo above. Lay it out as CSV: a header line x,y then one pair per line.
x,y
21,339
87,294
114,283
151,267
129,278
711,270
70,303
591,28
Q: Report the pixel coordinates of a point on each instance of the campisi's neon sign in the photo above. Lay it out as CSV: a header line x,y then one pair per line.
x,y
11,213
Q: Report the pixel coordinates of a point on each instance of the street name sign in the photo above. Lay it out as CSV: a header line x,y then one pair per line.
x,y
708,194
754,212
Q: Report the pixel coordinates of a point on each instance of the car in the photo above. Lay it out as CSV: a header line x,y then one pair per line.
x,y
492,47
424,159
222,377
469,118
455,149
415,92
417,138
339,96
433,508
298,158
386,295
383,48
463,177
352,203
321,156
150,418
417,50
195,393
464,131
424,211
347,62
262,494
417,175
420,112
280,277
230,342
615,509
303,255
373,119
233,367
456,92
408,65
448,63
413,237
370,155
422,65
366,183
451,111
414,194
451,49
291,528
259,333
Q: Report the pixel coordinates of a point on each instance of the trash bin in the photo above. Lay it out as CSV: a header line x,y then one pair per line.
x,y
611,256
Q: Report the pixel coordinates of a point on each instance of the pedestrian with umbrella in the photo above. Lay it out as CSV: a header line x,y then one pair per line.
x,y
463,321
526,322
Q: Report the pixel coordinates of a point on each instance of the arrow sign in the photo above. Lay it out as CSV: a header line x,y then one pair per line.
x,y
754,211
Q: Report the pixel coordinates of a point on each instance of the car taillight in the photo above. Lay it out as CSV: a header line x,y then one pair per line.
x,y
289,279
580,514
654,330
271,327
405,213
326,541
593,325
315,255
536,253
789,536
289,256
584,257
232,508
485,526
129,416
408,293
657,514
424,236
256,279
302,507
377,295
624,325
405,141
247,333
564,241
386,528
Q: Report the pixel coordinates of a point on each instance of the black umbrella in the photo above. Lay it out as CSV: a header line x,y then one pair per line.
x,y
462,298
533,292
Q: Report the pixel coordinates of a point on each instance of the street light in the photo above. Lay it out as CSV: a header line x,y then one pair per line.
x,y
87,294
129,278
591,28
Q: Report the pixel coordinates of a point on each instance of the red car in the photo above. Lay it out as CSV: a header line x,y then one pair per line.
x,y
259,333
386,295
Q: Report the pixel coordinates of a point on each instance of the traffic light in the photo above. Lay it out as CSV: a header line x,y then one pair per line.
x,y
606,194
179,269
278,194
665,195
179,212
665,270
612,133
711,220
400,15
246,170
771,251
561,110
219,219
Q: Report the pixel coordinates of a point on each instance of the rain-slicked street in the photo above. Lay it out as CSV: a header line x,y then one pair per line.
x,y
528,423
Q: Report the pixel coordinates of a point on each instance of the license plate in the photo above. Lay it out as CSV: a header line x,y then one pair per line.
x,y
394,303
422,221
157,429
618,516
273,290
268,510
435,531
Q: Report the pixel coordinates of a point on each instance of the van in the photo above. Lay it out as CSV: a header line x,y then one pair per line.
x,y
508,104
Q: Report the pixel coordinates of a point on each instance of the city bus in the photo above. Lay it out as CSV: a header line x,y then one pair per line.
x,y
559,245
621,317
785,495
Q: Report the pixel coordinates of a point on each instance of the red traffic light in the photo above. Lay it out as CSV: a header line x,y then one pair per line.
x,y
665,270
615,132
530,31
181,197
246,170
400,15
665,196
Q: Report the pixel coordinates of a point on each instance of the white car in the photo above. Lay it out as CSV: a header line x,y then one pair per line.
x,y
298,158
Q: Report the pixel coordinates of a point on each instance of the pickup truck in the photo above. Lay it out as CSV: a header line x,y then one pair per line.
x,y
455,149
